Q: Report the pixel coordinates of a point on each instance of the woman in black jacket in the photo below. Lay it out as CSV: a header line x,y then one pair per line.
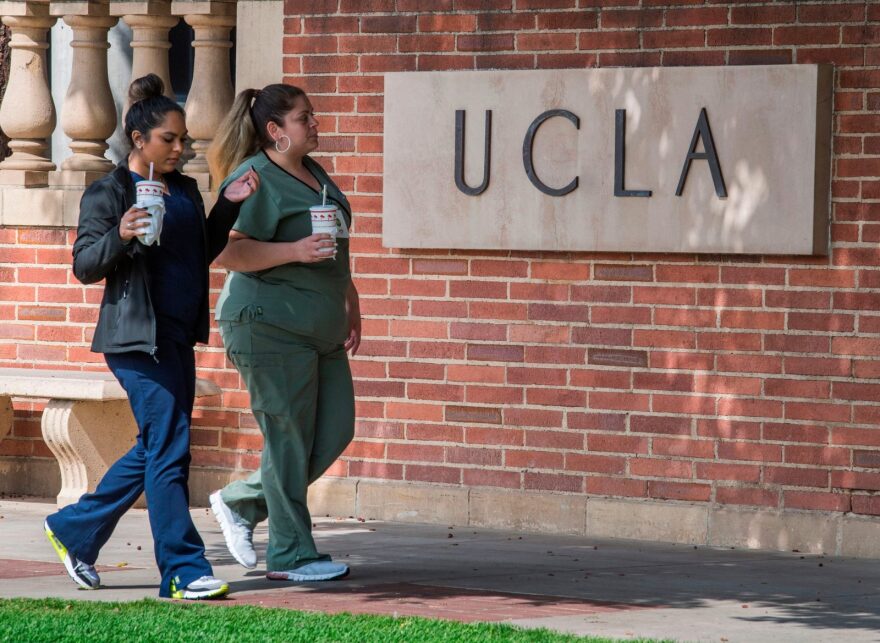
x,y
154,309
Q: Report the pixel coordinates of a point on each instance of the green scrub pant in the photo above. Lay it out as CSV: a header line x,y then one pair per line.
x,y
303,399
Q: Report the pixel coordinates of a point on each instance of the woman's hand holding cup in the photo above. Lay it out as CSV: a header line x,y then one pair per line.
x,y
318,247
134,223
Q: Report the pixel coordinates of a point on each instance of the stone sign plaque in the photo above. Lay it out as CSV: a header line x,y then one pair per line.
x,y
679,159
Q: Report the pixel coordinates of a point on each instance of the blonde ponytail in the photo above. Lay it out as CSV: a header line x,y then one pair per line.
x,y
236,138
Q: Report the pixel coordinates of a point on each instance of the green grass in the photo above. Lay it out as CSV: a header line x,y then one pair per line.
x,y
150,620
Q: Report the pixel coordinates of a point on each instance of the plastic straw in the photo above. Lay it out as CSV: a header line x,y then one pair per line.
x,y
151,171
324,195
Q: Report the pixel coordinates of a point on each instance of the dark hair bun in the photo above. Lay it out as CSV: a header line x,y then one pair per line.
x,y
149,86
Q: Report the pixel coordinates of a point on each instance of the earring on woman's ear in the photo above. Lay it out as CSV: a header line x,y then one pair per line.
x,y
277,148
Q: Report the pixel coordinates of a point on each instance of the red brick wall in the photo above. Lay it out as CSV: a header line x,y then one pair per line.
x,y
741,380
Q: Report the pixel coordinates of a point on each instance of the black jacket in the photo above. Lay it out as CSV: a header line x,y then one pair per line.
x,y
126,321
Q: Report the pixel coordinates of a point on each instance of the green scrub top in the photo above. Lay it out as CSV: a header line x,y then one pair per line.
x,y
304,298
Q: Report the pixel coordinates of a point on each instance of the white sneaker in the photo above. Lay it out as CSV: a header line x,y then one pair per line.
x,y
238,534
203,588
82,573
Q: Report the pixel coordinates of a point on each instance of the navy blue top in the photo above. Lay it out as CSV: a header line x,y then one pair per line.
x,y
177,268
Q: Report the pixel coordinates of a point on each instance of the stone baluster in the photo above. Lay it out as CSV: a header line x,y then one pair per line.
x,y
150,21
211,94
27,114
88,115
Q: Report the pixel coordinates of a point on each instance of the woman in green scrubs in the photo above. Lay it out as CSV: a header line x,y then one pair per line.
x,y
288,315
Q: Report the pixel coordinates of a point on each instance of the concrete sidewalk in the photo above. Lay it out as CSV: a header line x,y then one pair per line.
x,y
614,588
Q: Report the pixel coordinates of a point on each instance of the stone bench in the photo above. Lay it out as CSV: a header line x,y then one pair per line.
x,y
87,423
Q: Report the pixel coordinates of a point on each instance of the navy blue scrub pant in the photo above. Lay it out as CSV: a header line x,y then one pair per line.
x,y
161,396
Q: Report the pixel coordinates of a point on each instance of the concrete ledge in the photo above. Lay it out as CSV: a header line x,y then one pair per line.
x,y
527,511
411,503
813,532
648,520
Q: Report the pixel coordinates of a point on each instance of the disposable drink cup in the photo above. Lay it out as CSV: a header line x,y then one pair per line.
x,y
149,196
324,222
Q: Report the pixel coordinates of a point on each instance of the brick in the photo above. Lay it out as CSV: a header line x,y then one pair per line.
x,y
485,42
831,12
556,397
666,39
619,401
422,473
419,391
478,331
789,388
617,272
729,429
504,61
830,456
716,471
495,268
565,20
600,378
866,459
597,336
558,312
683,447
629,59
545,292
626,358
625,487
534,333
687,274
533,459
495,353
663,381
763,15
533,417
818,366
796,343
553,482
817,501
658,295
379,470
748,451
660,468
736,37
730,297
631,18
508,21
436,350
664,339
747,496
860,480
473,373
571,440
497,310
617,443
752,319
559,271
602,294
796,476
472,414
750,364
494,394
592,40
465,455
726,385
596,421
679,491
547,41
455,23
412,411
620,315
729,341
660,424
491,478
818,412
869,505
688,404
554,355
828,322
806,35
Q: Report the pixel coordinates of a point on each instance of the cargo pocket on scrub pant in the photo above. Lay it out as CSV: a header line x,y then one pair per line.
x,y
263,374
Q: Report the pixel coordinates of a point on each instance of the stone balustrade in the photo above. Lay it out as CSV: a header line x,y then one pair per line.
x,y
30,181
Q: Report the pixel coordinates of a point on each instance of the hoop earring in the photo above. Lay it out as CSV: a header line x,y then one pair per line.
x,y
278,149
